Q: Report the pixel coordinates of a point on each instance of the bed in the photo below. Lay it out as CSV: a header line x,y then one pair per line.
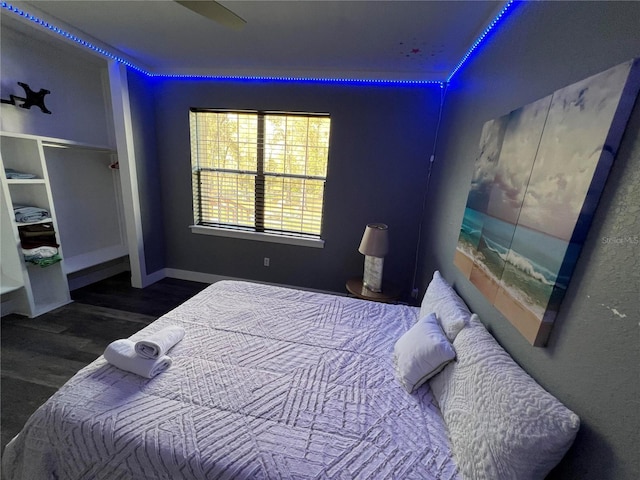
x,y
268,382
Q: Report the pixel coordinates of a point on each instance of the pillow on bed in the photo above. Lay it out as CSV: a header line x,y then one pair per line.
x,y
502,424
421,352
442,299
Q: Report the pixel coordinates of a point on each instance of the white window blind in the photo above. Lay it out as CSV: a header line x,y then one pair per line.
x,y
258,171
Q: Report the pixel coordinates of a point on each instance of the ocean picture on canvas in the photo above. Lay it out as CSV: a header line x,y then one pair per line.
x,y
527,264
536,269
537,180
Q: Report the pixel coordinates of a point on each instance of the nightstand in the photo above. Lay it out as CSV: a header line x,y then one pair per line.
x,y
389,293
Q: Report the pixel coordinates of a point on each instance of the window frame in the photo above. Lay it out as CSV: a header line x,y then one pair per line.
x,y
258,231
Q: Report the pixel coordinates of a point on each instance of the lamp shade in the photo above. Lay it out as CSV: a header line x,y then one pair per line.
x,y
375,241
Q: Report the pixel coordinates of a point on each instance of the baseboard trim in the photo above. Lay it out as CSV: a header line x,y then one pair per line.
x,y
151,278
7,307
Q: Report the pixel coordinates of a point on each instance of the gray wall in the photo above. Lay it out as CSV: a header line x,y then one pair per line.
x,y
592,360
381,140
141,100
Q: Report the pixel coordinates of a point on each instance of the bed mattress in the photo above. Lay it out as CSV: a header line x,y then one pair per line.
x,y
268,382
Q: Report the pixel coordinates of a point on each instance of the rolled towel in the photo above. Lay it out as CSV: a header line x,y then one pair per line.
x,y
122,354
159,343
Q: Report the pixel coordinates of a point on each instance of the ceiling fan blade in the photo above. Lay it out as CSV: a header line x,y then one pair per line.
x,y
216,12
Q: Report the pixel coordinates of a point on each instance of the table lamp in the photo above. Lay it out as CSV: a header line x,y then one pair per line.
x,y
374,246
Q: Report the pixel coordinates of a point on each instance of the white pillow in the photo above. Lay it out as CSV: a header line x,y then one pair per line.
x,y
443,300
502,424
421,352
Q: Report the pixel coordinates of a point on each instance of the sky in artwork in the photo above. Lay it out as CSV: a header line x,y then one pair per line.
x,y
575,133
518,153
486,164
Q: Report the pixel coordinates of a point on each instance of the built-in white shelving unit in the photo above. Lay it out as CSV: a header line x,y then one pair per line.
x,y
34,290
75,183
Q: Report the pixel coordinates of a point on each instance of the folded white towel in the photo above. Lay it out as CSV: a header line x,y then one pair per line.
x,y
122,354
159,343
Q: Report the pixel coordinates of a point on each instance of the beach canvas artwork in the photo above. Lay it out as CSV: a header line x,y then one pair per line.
x,y
537,181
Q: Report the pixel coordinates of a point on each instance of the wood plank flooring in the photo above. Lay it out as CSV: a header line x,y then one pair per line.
x,y
39,355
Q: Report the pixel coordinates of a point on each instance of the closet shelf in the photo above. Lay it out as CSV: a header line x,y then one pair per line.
x,y
58,142
84,201
30,181
80,262
37,289
45,220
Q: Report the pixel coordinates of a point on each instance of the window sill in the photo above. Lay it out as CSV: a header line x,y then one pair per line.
x,y
257,236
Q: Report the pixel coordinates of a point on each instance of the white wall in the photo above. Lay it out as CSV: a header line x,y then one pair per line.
x,y
77,81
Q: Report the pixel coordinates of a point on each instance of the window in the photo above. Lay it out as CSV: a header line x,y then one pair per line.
x,y
259,171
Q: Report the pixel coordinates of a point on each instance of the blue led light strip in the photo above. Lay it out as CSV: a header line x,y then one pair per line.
x,y
258,78
111,56
68,35
481,38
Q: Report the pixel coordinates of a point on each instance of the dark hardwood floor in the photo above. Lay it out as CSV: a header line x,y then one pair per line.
x,y
39,355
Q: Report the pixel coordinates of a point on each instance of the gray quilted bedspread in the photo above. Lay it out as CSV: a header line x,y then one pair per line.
x,y
267,383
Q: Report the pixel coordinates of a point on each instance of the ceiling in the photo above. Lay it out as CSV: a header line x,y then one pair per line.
x,y
390,40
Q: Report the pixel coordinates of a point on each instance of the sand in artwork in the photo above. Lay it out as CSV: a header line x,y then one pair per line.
x,y
522,316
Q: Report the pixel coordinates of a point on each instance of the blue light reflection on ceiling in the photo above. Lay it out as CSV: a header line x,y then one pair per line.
x,y
351,81
474,47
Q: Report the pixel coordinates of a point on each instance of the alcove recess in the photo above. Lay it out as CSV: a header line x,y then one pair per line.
x,y
77,185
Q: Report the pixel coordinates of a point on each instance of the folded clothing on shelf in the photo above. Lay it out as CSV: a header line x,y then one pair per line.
x,y
36,242
28,213
43,251
38,235
14,174
39,244
43,262
37,230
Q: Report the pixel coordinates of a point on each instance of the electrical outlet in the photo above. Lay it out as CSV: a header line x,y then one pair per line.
x,y
266,261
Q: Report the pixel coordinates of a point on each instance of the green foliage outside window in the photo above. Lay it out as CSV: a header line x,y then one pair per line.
x,y
259,171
